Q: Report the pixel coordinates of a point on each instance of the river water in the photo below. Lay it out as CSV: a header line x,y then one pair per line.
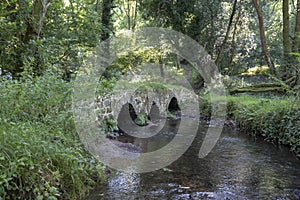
x,y
239,167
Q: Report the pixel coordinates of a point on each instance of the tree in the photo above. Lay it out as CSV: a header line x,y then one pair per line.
x,y
39,12
233,42
227,33
37,35
107,6
286,29
263,37
131,14
30,19
296,41
286,38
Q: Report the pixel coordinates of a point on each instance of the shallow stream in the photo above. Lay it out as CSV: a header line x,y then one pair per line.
x,y
239,167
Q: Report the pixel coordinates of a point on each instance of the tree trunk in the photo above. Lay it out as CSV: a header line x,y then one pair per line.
x,y
286,39
297,30
263,37
220,54
131,13
263,87
135,15
107,28
286,29
234,45
106,19
39,13
97,5
34,24
296,42
128,15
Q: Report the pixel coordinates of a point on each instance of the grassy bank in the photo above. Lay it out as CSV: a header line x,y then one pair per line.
x,y
277,119
41,156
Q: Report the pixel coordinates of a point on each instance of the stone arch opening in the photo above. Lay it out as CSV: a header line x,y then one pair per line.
x,y
132,112
173,107
127,111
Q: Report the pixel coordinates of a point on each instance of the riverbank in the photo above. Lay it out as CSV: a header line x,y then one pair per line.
x,y
41,156
277,119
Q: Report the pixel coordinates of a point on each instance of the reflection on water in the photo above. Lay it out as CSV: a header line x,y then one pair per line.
x,y
239,167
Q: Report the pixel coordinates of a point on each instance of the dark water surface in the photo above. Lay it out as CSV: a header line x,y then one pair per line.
x,y
239,167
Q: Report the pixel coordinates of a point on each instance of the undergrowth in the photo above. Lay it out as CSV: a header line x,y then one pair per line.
x,y
41,156
276,119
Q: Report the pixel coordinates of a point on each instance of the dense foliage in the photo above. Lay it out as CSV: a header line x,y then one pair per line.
x,y
41,155
43,34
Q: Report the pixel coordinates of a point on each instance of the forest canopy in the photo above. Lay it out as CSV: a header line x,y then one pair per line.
x,y
43,35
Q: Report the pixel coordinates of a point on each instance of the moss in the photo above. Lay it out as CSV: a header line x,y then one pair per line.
x,y
153,85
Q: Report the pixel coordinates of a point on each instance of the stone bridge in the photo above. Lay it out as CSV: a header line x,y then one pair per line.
x,y
142,100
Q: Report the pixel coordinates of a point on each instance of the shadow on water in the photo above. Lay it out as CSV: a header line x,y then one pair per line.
x,y
239,167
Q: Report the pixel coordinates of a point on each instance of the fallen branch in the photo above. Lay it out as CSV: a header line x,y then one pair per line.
x,y
254,89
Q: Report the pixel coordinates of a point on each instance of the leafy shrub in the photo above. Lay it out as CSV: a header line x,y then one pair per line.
x,y
41,155
141,119
109,124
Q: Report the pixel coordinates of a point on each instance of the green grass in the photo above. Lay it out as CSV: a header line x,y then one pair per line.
x,y
276,119
41,156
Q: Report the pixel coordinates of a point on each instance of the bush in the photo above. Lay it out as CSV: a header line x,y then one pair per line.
x,y
41,155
